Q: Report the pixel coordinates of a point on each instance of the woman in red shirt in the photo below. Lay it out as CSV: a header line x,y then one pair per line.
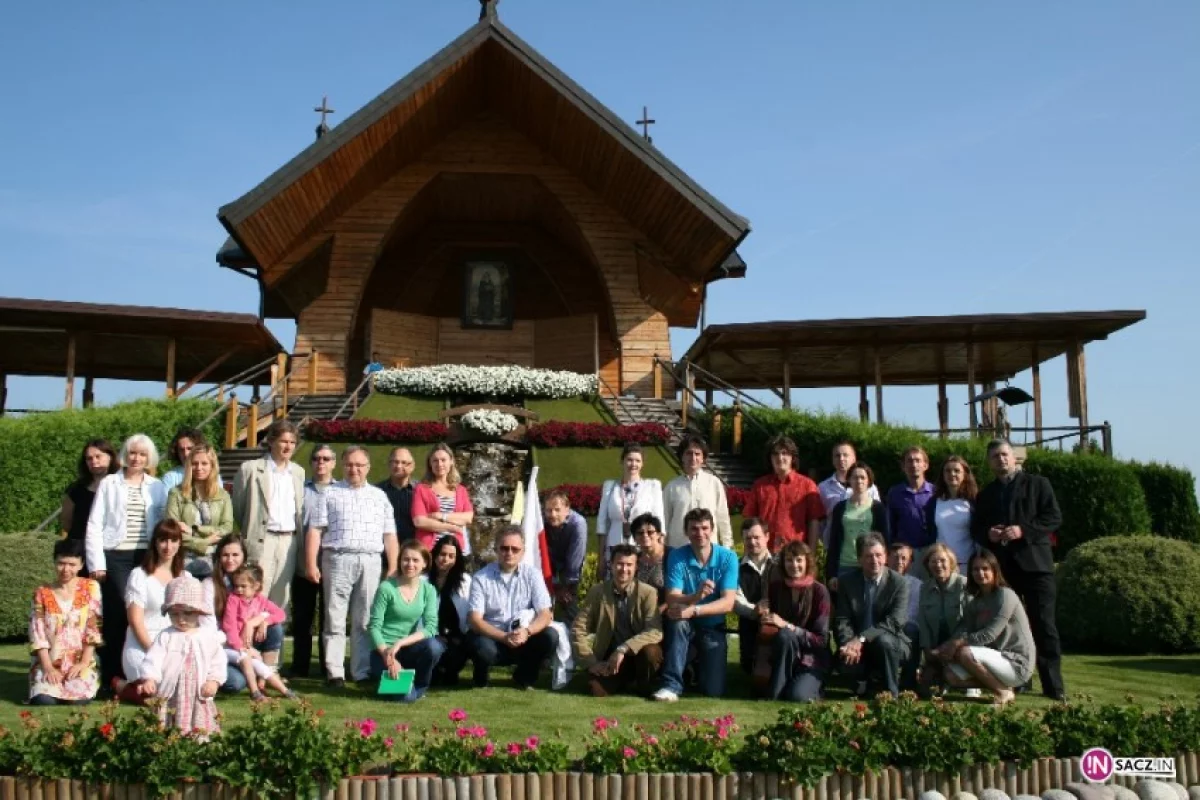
x,y
440,502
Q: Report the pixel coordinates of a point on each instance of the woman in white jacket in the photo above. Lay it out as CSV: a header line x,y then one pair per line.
x,y
129,503
623,500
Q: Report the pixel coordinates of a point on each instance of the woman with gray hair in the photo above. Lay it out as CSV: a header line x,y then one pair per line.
x,y
129,503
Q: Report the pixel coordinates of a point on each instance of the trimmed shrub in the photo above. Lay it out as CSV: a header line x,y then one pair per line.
x,y
1098,496
39,453
1171,500
27,564
1131,594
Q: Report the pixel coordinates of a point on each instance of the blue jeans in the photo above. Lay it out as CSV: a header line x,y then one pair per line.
x,y
420,656
235,681
711,652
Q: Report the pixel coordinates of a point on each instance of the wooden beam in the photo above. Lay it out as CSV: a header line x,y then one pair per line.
x,y
3,392
864,405
313,368
231,415
943,408
1037,396
787,378
596,343
658,383
1077,383
171,367
204,373
878,389
971,388
89,395
69,400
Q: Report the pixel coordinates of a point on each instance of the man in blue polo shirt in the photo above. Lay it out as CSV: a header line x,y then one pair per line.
x,y
701,583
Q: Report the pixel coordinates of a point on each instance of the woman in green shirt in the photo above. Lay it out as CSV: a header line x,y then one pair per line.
x,y
203,505
850,520
404,623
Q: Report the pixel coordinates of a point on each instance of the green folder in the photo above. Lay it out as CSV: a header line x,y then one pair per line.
x,y
402,684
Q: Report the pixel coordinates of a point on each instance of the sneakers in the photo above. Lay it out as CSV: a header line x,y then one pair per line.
x,y
665,696
974,694
413,695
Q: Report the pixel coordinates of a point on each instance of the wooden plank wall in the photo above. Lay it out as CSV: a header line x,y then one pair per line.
x,y
399,338
565,343
485,348
484,145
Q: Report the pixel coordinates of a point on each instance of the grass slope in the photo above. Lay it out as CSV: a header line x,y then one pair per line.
x,y
406,409
1106,679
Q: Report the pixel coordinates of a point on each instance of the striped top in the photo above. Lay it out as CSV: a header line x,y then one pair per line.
x,y
445,504
136,535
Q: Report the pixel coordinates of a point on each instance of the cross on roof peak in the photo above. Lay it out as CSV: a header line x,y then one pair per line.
x,y
487,9
646,122
324,110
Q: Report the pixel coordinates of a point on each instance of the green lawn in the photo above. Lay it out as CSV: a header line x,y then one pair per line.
x,y
596,465
1105,679
572,410
395,407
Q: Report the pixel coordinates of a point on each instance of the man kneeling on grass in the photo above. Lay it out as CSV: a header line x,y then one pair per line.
x,y
702,583
510,614
617,631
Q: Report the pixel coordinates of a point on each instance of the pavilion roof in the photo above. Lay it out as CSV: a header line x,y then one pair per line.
x,y
911,350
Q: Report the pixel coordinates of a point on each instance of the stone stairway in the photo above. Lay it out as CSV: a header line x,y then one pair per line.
x,y
733,470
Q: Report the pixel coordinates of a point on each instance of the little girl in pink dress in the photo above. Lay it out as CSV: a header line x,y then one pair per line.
x,y
186,664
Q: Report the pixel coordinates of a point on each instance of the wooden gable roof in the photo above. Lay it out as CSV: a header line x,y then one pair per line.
x,y
487,68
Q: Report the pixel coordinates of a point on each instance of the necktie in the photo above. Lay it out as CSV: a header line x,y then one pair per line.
x,y
869,597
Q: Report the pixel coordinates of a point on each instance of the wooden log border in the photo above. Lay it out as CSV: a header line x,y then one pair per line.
x,y
888,784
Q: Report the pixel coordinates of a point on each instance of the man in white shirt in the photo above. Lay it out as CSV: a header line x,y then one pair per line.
x,y
836,487
695,488
350,525
268,504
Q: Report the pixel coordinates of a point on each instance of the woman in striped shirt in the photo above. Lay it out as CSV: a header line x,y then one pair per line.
x,y
128,504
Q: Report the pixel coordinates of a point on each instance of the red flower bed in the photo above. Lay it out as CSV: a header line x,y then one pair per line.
x,y
597,434
373,430
585,497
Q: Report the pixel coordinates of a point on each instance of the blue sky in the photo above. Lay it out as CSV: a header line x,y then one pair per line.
x,y
893,158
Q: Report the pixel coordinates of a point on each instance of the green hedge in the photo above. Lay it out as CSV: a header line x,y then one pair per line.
x,y
39,453
1131,594
28,563
1171,500
1099,496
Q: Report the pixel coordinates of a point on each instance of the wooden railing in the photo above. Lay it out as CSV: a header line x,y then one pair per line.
x,y
1068,432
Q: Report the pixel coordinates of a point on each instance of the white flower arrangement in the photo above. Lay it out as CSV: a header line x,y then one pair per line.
x,y
509,381
489,421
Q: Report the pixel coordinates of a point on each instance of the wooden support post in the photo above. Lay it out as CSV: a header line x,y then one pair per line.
x,y
281,388
658,383
971,389
221,393
89,394
1107,433
274,391
252,424
69,400
787,379
3,392
1037,396
737,427
686,396
314,362
171,386
990,408
943,407
878,389
708,399
864,405
231,415
715,445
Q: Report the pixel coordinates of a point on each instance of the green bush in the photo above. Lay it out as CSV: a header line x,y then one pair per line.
x,y
1131,594
1098,496
39,453
1171,500
28,563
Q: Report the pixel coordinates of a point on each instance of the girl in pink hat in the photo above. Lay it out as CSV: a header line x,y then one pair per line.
x,y
186,664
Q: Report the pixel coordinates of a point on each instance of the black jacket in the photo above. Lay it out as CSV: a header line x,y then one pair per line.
x,y
837,532
1032,506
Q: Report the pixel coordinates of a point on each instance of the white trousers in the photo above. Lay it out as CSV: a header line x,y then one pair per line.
x,y
995,663
349,580
278,563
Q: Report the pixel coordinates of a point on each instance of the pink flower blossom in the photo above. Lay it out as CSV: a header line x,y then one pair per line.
x,y
489,750
532,742
457,715
629,752
367,727
462,733
651,740
389,742
722,732
599,724
401,727
478,731
514,748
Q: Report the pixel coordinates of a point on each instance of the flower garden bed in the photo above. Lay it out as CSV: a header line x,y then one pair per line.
x,y
585,497
375,431
495,382
546,434
597,434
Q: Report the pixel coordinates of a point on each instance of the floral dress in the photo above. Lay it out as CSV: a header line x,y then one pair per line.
x,y
64,632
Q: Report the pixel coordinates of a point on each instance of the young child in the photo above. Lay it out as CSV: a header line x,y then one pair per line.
x,y
246,611
186,664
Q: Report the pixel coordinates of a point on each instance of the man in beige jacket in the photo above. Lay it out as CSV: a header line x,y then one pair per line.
x,y
268,504
618,630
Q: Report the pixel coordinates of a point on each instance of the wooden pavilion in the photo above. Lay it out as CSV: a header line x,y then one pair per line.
x,y
977,350
140,343
485,209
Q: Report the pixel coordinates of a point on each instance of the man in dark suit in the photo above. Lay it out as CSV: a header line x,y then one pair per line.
x,y
872,608
1015,516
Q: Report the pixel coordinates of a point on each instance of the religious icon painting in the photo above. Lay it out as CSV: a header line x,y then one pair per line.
x,y
487,301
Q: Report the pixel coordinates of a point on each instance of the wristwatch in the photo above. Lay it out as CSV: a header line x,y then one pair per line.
x,y
862,640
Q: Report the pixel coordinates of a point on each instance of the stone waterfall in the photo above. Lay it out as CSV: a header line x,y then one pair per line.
x,y
491,472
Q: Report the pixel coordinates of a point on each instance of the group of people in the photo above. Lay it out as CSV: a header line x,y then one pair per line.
x,y
156,595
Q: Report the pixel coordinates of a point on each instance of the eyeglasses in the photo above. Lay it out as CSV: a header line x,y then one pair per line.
x,y
510,549
322,458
